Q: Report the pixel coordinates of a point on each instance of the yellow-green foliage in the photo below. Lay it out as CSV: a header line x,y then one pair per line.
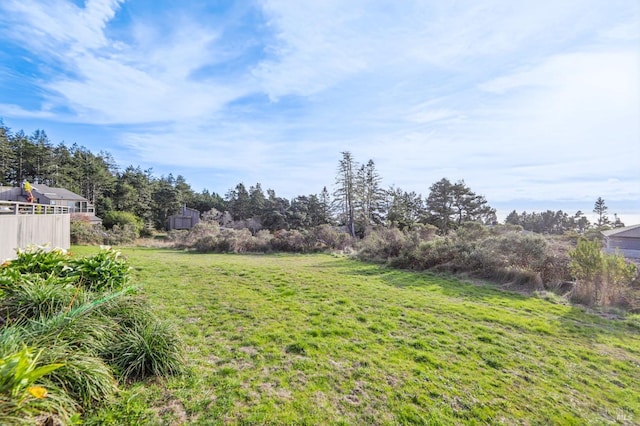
x,y
21,395
601,278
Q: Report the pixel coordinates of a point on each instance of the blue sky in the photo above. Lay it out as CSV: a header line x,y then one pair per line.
x,y
535,104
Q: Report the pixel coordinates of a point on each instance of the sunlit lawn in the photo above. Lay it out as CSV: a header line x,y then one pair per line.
x,y
317,339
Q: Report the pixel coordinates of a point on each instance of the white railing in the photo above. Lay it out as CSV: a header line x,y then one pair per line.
x,y
85,209
16,208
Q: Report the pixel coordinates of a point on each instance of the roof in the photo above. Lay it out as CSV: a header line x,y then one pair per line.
x,y
56,193
624,232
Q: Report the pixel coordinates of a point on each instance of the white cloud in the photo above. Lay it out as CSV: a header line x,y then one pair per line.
x,y
11,110
46,25
427,89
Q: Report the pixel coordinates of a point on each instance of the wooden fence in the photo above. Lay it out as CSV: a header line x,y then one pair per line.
x,y
24,224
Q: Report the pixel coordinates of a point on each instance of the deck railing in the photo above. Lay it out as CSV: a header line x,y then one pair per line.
x,y
15,208
85,209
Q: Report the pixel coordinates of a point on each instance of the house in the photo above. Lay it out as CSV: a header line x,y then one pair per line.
x,y
43,194
186,219
626,240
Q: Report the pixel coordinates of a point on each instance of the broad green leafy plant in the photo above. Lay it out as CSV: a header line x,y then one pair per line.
x,y
21,397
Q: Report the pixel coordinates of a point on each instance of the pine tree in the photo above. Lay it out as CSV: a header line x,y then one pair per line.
x,y
345,197
600,209
440,204
369,195
6,155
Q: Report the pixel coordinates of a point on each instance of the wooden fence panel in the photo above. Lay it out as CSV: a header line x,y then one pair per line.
x,y
22,230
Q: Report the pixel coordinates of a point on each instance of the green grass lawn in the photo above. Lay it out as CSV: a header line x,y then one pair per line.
x,y
317,339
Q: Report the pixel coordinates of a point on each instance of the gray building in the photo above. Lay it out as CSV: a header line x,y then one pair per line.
x,y
626,240
44,194
186,219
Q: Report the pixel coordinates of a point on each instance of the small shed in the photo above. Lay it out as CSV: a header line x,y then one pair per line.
x,y
186,219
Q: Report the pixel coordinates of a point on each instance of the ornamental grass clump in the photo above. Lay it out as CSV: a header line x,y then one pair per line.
x,y
81,316
149,348
143,346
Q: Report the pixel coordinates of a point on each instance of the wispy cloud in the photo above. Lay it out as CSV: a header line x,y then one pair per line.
x,y
274,90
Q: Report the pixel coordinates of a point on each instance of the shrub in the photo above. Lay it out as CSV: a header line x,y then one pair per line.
x,y
292,241
501,255
119,235
382,244
516,249
188,238
601,278
327,237
106,270
471,231
122,219
37,259
208,237
428,254
83,232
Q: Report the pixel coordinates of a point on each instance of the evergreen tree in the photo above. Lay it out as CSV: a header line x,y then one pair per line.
x,y
20,165
579,222
345,197
165,201
600,209
324,200
184,190
449,205
298,216
369,196
7,157
440,207
205,201
617,223
275,214
404,209
43,159
257,201
513,218
133,192
239,202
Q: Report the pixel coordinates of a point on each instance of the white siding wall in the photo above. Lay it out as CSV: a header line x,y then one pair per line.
x,y
19,231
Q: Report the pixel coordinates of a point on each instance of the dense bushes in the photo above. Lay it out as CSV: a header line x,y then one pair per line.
x,y
209,237
500,253
83,232
122,219
506,254
71,330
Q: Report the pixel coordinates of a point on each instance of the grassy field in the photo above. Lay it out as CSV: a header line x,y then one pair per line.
x,y
317,339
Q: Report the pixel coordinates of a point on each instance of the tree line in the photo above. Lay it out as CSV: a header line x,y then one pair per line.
x,y
358,200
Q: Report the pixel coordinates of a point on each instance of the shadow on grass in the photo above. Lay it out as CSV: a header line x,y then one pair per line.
x,y
576,320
